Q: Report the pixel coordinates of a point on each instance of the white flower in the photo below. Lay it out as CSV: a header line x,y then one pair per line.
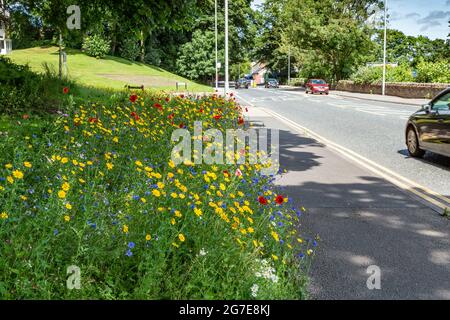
x,y
254,289
203,252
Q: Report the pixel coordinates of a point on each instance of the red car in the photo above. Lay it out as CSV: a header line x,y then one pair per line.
x,y
317,86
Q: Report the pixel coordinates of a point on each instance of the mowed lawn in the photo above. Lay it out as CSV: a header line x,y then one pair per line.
x,y
109,72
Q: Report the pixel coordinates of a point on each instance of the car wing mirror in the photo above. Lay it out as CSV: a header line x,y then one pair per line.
x,y
426,108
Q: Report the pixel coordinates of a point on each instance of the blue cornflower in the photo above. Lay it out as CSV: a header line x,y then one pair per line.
x,y
131,245
129,253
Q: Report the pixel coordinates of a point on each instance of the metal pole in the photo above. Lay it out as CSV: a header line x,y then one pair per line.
x,y
226,48
289,66
384,48
215,31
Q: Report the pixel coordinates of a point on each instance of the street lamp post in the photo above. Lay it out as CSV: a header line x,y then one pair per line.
x,y
289,66
384,48
215,32
226,49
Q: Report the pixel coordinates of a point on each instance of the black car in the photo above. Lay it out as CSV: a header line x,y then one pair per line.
x,y
429,128
272,83
242,83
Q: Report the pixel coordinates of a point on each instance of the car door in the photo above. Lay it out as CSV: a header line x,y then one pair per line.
x,y
442,126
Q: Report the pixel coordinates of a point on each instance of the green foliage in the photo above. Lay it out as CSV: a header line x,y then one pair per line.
x,y
374,75
438,72
129,49
22,91
96,46
197,57
330,35
127,216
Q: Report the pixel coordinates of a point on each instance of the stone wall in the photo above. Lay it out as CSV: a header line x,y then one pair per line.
x,y
399,89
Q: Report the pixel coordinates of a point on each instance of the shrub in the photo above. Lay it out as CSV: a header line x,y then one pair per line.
x,y
429,72
96,46
22,90
129,49
374,75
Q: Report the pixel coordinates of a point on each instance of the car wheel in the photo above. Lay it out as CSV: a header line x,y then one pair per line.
x,y
413,144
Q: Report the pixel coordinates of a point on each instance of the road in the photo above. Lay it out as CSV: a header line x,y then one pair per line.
x,y
362,219
372,129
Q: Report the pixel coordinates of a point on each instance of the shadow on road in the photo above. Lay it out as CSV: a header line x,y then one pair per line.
x,y
433,159
363,220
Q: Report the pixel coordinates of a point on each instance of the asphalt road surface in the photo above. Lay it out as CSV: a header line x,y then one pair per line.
x,y
372,129
362,219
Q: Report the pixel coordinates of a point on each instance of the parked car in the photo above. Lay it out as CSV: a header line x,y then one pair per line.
x,y
272,83
429,128
317,86
242,83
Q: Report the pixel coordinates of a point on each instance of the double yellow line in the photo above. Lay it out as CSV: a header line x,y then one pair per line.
x,y
439,201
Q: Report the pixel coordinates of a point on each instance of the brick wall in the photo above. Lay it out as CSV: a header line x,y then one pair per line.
x,y
399,89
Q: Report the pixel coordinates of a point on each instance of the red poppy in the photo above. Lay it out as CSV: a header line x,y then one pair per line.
x,y
279,199
170,116
217,117
157,106
181,96
93,120
133,98
262,200
167,99
240,121
201,110
226,173
181,125
65,90
135,116
25,117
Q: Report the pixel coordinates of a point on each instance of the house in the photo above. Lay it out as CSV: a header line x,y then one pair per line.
x,y
258,71
5,43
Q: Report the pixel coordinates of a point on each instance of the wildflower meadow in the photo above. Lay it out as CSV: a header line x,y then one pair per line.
x,y
96,188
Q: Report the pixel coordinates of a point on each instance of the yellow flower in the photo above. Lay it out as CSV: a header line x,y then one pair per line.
x,y
138,163
66,218
18,174
4,215
68,206
61,194
64,160
148,237
171,164
172,221
27,164
156,193
10,179
109,165
160,185
125,228
143,200
65,186
115,139
274,257
181,237
198,212
275,236
174,195
8,166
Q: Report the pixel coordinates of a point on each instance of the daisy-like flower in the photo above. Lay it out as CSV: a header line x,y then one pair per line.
x,y
4,215
181,237
17,174
61,194
27,164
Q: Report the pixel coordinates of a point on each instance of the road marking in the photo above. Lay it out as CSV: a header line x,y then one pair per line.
x,y
393,177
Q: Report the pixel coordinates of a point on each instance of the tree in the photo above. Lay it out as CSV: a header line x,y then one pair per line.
x,y
197,57
330,34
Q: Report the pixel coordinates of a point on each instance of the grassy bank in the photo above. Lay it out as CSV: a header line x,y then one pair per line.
x,y
109,72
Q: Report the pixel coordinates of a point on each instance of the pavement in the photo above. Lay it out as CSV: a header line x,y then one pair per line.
x,y
371,97
361,218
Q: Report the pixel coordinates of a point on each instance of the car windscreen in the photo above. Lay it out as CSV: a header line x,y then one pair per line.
x,y
318,82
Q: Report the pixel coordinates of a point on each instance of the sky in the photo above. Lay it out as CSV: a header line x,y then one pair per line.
x,y
417,17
